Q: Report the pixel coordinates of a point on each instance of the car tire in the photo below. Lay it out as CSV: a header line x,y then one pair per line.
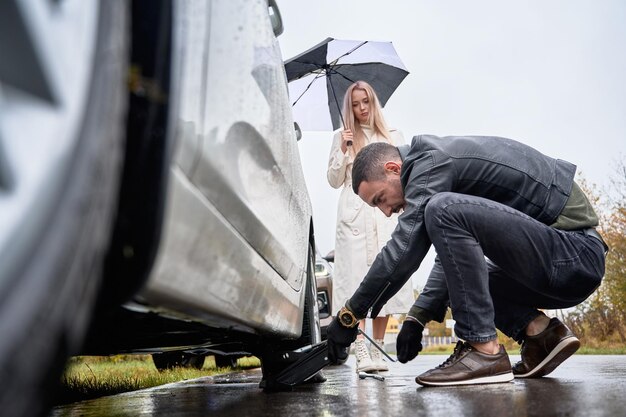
x,y
169,360
51,269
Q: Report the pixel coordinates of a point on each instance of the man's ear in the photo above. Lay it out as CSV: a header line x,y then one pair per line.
x,y
393,166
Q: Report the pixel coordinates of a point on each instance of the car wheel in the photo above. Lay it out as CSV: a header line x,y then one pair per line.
x,y
169,360
62,108
225,361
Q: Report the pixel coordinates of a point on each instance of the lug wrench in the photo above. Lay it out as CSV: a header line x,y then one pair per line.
x,y
377,345
364,375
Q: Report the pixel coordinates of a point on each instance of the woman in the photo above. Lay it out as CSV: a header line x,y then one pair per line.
x,y
361,230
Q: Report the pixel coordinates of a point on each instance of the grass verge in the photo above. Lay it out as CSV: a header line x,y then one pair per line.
x,y
88,377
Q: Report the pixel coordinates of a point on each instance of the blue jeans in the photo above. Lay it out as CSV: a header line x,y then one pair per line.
x,y
529,266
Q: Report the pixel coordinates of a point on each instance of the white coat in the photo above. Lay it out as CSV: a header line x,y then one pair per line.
x,y
361,231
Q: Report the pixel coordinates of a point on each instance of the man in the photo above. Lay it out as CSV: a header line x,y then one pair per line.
x,y
513,233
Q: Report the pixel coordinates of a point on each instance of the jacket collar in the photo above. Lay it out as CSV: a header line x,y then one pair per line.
x,y
404,151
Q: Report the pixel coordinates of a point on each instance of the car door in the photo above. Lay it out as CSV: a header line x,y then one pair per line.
x,y
235,245
249,165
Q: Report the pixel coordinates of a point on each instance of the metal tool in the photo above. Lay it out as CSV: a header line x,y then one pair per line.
x,y
364,375
306,363
376,345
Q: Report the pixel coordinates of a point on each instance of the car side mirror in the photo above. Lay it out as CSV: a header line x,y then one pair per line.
x,y
298,131
330,256
275,18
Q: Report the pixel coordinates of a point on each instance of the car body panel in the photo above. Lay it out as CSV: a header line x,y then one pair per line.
x,y
208,272
237,216
249,164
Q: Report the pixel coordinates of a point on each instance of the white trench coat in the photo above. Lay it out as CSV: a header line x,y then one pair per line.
x,y
361,231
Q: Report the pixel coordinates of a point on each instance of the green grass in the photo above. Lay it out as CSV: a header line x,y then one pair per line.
x,y
91,377
621,350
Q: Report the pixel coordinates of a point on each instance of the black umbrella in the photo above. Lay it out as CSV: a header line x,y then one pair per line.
x,y
319,78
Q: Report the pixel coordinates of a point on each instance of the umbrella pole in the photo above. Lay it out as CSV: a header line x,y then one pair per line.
x,y
343,124
330,81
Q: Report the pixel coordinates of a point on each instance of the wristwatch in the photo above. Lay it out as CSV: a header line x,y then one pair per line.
x,y
347,318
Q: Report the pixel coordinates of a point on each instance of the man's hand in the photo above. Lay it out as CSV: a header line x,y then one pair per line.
x,y
339,339
409,341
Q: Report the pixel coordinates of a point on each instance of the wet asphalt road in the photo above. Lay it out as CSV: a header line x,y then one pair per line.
x,y
582,386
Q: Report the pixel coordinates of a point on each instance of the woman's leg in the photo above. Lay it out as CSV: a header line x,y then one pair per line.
x,y
380,326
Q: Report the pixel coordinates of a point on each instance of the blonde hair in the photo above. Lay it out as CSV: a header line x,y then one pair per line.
x,y
376,119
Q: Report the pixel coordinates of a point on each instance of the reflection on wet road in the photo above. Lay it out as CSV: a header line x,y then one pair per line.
x,y
582,386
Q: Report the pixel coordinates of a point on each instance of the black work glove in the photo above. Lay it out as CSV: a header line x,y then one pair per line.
x,y
339,339
409,341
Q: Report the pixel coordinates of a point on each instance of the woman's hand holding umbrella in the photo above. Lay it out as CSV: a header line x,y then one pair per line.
x,y
346,136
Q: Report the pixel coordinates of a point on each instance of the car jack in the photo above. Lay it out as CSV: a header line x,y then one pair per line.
x,y
310,361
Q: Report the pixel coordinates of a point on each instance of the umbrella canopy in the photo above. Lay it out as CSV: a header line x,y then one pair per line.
x,y
319,78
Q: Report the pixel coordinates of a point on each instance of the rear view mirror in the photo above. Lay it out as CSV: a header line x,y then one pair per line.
x,y
275,18
298,131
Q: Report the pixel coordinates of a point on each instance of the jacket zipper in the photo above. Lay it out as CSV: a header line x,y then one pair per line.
x,y
380,294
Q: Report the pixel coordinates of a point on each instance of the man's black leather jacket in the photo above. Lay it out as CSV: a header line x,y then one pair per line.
x,y
499,169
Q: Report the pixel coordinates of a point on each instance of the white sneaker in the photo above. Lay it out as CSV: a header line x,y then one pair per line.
x,y
363,361
377,357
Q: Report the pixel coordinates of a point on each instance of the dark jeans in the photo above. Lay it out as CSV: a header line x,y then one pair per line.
x,y
529,266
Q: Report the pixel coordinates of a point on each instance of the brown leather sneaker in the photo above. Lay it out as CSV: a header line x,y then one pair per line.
x,y
468,366
542,353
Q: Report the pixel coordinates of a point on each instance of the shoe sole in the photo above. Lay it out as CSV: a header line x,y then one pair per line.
x,y
562,351
494,379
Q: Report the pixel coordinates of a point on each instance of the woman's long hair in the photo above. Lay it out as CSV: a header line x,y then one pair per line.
x,y
376,119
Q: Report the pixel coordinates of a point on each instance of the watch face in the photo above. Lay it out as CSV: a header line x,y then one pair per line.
x,y
347,319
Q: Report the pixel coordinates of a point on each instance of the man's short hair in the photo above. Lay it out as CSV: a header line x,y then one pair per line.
x,y
369,163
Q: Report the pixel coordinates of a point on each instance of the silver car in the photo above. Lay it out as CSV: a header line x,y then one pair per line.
x,y
152,198
324,279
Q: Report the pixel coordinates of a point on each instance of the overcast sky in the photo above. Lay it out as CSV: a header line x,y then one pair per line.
x,y
549,73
